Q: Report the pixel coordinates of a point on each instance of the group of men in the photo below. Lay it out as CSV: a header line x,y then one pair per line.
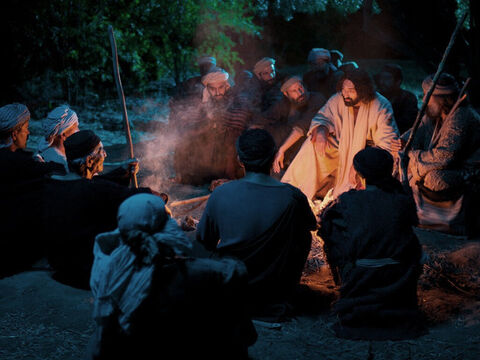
x,y
285,142
319,122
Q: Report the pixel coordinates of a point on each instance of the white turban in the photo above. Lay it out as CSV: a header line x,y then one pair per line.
x,y
318,54
439,89
215,76
58,120
262,65
12,115
289,82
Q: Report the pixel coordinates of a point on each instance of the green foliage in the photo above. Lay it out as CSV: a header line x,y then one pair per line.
x,y
155,39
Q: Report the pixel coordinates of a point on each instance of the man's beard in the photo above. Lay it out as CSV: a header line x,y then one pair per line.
x,y
431,114
350,102
302,100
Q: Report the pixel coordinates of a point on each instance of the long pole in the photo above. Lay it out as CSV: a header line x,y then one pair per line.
x,y
118,82
426,99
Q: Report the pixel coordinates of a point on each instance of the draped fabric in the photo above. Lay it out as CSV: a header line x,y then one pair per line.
x,y
347,136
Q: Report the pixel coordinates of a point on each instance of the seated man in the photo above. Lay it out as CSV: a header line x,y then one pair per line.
x,y
21,183
60,123
289,119
151,301
356,116
262,222
78,206
206,150
188,95
265,85
404,103
374,254
322,76
445,158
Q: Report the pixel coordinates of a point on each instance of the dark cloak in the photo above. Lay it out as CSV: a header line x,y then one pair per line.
x,y
375,303
73,213
266,227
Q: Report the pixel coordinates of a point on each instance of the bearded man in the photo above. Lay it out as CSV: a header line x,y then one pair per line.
x,y
444,160
289,119
356,116
323,75
265,85
211,135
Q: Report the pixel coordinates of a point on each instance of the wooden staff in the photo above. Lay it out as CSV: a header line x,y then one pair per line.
x,y
426,99
189,201
118,81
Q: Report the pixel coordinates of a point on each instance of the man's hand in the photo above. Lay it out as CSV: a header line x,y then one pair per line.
x,y
396,144
319,139
278,162
133,166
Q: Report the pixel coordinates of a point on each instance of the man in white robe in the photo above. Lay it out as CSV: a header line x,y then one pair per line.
x,y
356,116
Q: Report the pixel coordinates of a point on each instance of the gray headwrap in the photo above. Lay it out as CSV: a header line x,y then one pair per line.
x,y
439,89
289,82
116,282
318,54
12,115
262,65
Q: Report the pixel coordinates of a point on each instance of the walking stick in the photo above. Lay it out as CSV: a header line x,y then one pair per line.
x,y
118,81
404,154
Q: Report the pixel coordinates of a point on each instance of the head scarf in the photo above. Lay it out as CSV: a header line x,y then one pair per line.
x,y
11,116
80,144
289,82
318,54
58,120
256,147
216,75
116,282
207,60
448,89
262,65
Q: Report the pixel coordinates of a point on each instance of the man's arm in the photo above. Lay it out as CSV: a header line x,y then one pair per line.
x,y
444,153
207,229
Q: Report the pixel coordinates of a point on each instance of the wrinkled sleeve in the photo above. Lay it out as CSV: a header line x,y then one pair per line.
x,y
326,115
385,128
444,153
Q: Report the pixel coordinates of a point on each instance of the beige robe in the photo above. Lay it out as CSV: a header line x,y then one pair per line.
x,y
374,123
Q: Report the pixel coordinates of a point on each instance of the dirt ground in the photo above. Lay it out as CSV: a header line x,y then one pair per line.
x,y
43,319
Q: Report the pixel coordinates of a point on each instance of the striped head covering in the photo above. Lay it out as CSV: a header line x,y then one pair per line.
x,y
289,82
58,120
450,88
215,76
262,65
318,54
11,116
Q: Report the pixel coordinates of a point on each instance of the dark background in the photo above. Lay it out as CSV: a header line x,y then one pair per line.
x,y
58,51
